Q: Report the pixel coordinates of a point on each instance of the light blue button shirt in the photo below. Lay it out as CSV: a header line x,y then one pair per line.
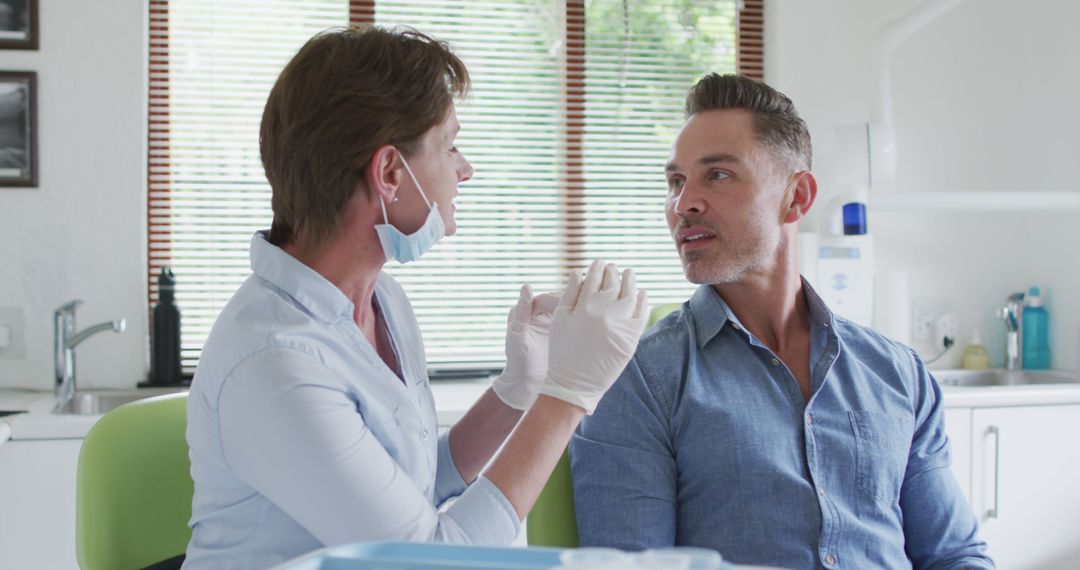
x,y
705,440
301,436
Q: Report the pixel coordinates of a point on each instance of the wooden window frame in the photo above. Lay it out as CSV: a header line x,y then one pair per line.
x,y
749,61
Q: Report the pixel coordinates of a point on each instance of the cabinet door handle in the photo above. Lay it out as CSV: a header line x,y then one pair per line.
x,y
996,432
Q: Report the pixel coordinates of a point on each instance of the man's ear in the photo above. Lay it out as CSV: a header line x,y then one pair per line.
x,y
383,174
801,197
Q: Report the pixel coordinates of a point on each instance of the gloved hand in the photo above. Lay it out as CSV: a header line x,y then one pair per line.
x,y
594,333
526,349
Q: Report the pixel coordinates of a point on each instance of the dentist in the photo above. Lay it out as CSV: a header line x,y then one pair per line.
x,y
310,419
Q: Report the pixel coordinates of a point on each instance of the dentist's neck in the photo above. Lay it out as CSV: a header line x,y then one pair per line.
x,y
351,259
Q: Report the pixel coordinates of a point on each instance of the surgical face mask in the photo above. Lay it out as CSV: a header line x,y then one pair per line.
x,y
405,248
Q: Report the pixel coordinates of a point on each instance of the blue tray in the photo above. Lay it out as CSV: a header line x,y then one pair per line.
x,y
420,556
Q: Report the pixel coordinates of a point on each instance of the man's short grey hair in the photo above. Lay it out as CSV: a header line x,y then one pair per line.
x,y
778,125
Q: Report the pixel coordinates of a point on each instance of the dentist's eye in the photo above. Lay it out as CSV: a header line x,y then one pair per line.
x,y
718,175
675,183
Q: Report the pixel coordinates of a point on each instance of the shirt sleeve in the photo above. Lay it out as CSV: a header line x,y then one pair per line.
x,y
623,470
939,526
292,433
448,481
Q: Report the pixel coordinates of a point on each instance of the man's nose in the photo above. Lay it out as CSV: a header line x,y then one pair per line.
x,y
689,200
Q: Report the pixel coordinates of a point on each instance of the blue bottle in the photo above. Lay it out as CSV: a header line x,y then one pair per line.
x,y
1036,326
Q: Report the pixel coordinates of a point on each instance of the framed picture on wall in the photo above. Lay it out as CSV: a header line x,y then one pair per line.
x,y
18,24
18,128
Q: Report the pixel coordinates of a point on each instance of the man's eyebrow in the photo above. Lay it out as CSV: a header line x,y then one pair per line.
x,y
707,161
719,158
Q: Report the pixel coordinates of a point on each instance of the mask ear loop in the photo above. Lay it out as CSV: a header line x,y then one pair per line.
x,y
383,204
415,181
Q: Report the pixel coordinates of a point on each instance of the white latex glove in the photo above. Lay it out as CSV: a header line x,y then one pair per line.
x,y
526,349
594,334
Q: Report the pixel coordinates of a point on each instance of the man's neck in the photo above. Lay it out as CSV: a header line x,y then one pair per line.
x,y
772,306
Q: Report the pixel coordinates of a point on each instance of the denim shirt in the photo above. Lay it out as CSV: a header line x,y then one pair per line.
x,y
302,437
705,440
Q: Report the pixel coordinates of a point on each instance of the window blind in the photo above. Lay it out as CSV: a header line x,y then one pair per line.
x,y
573,110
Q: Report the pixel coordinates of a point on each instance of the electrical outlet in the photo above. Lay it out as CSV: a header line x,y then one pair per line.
x,y
11,320
945,325
924,312
921,327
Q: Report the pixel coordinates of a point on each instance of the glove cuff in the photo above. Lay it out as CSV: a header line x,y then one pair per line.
x,y
510,392
572,397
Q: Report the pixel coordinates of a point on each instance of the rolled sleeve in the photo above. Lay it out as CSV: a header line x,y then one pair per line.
x,y
482,515
624,473
939,526
448,481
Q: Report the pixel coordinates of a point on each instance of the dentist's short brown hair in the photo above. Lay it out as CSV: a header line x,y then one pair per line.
x,y
346,93
778,125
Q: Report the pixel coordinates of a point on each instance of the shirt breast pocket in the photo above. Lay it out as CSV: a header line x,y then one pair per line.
x,y
882,443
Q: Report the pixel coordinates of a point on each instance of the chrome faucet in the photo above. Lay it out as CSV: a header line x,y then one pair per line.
x,y
1013,315
65,339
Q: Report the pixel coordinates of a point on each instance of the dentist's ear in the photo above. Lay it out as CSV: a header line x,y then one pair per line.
x,y
800,197
383,173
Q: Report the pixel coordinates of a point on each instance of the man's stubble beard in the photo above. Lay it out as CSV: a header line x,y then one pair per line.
x,y
726,262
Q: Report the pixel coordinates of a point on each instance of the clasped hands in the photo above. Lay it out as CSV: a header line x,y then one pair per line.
x,y
572,346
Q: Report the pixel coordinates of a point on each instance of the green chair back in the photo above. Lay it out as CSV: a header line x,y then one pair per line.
x,y
134,488
660,311
552,521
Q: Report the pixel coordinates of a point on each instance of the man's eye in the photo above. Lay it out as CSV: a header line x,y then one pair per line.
x,y
675,182
718,175
453,149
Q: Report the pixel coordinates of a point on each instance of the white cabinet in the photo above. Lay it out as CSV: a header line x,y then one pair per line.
x,y
958,428
37,503
1025,484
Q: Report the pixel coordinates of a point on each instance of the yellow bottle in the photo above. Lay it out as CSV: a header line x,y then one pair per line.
x,y
975,357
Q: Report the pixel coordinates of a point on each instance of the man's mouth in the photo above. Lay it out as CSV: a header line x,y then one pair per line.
x,y
694,237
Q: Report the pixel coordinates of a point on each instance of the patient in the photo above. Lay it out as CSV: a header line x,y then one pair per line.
x,y
754,421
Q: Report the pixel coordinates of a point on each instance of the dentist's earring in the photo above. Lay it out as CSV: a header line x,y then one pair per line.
x,y
394,200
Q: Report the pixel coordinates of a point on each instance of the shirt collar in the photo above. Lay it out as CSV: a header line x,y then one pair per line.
x,y
819,312
311,290
710,312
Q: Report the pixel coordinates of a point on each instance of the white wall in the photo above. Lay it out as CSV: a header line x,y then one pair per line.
x,y
984,100
81,233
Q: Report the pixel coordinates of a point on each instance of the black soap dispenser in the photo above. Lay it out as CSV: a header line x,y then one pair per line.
x,y
165,339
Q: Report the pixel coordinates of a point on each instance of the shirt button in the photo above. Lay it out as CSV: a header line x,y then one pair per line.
x,y
809,419
830,559
821,492
826,325
775,362
424,434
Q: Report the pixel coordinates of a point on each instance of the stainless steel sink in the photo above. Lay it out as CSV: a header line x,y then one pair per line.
x,y
94,403
999,377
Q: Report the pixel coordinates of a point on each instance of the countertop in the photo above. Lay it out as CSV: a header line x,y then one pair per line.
x,y
454,397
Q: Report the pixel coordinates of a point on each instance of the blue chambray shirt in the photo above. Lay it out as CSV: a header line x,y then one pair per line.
x,y
705,440
301,436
